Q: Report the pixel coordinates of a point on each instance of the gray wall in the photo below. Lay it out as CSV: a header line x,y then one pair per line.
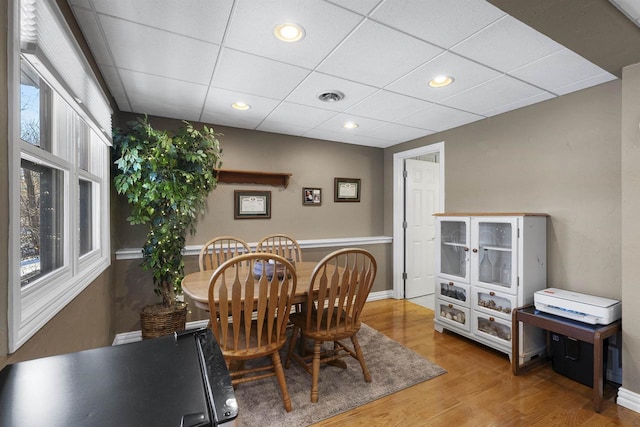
x,y
630,227
560,157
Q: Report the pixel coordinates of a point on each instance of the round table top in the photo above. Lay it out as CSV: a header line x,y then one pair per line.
x,y
196,285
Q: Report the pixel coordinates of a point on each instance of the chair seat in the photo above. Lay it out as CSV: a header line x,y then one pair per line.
x,y
323,333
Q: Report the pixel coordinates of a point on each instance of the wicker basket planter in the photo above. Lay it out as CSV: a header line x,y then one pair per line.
x,y
157,320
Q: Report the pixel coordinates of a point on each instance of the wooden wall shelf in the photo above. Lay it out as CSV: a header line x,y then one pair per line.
x,y
275,179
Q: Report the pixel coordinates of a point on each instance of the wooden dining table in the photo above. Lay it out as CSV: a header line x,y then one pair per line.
x,y
196,285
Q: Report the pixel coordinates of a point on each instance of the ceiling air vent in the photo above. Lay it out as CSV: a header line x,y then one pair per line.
x,y
331,96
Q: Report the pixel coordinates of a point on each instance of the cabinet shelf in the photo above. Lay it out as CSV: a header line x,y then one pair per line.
x,y
275,179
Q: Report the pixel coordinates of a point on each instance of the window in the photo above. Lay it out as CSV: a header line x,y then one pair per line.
x,y
59,170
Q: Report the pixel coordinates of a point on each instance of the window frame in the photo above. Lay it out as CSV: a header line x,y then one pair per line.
x,y
31,306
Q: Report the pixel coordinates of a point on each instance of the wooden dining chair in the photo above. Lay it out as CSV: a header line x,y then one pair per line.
x,y
250,299
219,249
338,289
282,245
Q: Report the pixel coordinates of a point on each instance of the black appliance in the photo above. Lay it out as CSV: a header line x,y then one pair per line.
x,y
178,380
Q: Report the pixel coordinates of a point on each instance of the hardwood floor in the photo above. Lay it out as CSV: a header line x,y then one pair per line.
x,y
478,389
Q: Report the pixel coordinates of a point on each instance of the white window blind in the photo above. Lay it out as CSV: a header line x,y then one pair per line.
x,y
47,43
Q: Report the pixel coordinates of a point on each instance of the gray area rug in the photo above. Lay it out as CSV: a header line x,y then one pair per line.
x,y
393,367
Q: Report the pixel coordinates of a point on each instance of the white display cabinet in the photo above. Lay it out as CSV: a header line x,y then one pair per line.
x,y
486,266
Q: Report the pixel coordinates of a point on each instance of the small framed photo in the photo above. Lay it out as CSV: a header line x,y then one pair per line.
x,y
311,196
347,190
252,204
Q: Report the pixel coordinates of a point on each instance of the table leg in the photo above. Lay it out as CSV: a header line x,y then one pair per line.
x,y
598,381
515,344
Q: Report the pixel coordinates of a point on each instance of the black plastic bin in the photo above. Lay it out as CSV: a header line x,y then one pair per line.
x,y
574,359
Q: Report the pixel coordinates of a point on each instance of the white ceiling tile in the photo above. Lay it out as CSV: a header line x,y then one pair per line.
x,y
586,83
334,124
252,26
491,95
396,133
91,31
283,128
438,118
160,96
158,52
299,115
200,19
307,92
467,74
237,71
328,135
362,7
500,45
387,106
519,104
81,3
558,70
378,63
112,79
218,107
441,23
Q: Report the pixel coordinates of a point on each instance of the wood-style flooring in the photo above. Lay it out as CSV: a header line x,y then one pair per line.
x,y
478,389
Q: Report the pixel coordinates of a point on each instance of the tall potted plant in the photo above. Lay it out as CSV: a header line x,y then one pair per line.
x,y
166,179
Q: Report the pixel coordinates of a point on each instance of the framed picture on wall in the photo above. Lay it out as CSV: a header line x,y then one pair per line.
x,y
346,190
311,196
252,204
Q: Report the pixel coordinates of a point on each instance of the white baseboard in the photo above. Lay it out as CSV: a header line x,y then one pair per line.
x,y
628,399
133,336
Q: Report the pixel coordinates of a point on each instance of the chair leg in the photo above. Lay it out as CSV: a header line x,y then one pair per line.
x,y
365,370
277,367
292,345
315,371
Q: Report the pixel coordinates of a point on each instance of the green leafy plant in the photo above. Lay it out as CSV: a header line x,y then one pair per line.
x,y
166,179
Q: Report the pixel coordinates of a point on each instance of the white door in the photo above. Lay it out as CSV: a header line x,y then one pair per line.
x,y
422,198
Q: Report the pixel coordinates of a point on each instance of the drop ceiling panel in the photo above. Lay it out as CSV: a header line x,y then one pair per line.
x,y
118,92
300,115
256,75
396,133
160,96
441,23
378,63
362,7
307,92
88,22
387,106
218,108
493,94
557,70
199,19
437,118
252,26
466,73
500,45
334,124
519,104
154,51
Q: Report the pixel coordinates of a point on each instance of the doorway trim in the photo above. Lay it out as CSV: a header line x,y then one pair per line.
x,y
399,206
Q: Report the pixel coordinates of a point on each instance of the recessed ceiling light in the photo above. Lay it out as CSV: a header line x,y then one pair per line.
x,y
289,32
350,125
240,106
441,81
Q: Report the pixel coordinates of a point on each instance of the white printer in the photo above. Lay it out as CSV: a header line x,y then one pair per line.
x,y
582,307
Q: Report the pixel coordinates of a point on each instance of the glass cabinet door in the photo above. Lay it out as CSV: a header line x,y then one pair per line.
x,y
494,252
453,252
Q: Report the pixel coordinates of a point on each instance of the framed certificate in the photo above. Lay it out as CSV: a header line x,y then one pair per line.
x,y
347,190
252,204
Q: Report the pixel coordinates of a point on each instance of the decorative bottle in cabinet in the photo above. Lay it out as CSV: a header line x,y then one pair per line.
x,y
486,266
